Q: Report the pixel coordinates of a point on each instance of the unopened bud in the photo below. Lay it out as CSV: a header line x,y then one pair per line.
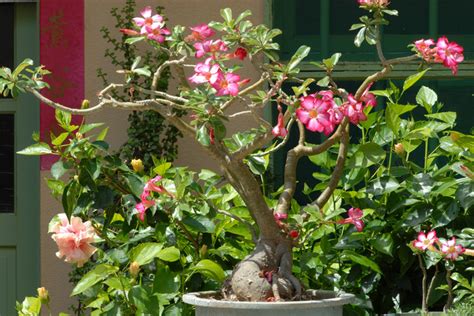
x,y
454,136
76,177
43,295
137,165
399,149
79,136
134,268
203,250
85,104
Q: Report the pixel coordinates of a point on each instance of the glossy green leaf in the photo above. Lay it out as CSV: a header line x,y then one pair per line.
x,y
295,60
97,274
393,113
145,253
36,150
383,185
410,81
362,260
210,269
226,14
202,136
383,243
166,281
367,155
427,98
359,39
447,117
169,254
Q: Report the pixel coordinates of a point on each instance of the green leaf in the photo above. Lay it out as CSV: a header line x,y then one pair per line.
x,y
200,223
391,12
393,113
136,62
133,40
36,150
367,155
202,136
427,98
447,117
360,37
383,243
331,62
99,273
356,26
22,66
462,280
60,139
242,16
58,170
324,82
210,269
102,134
383,185
226,14
465,195
410,81
165,280
170,254
63,118
300,54
142,72
88,127
145,253
362,260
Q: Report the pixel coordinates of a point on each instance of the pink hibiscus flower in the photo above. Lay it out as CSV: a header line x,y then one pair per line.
x,y
355,215
227,84
148,20
211,47
450,53
354,110
74,239
205,72
313,113
158,34
451,250
201,32
425,241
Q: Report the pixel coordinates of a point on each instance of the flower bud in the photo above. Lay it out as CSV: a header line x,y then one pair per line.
x,y
294,234
137,165
79,136
454,136
76,177
134,268
399,149
43,295
203,250
85,104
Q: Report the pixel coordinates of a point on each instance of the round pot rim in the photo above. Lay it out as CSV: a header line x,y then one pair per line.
x,y
341,298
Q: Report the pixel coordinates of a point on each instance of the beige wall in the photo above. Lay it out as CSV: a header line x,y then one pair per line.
x,y
185,12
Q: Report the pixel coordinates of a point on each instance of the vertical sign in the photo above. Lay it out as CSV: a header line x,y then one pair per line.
x,y
62,52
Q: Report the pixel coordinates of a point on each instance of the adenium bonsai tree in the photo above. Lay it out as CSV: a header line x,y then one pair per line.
x,y
213,54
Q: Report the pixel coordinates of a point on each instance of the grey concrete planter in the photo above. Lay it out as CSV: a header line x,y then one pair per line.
x,y
327,303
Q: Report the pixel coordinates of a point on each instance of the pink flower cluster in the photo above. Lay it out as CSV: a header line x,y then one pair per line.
x,y
150,25
374,3
448,248
450,54
210,71
147,200
320,113
355,215
74,239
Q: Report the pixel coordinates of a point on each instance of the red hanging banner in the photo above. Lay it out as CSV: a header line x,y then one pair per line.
x,y
62,52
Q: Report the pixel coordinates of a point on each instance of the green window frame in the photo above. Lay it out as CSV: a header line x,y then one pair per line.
x,y
19,229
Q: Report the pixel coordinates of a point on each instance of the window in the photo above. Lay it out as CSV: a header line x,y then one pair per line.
x,y
324,25
6,25
6,163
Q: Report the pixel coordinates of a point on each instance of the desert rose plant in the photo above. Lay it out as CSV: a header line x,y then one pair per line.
x,y
206,60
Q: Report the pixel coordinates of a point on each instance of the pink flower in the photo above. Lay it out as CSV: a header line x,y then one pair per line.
x,y
205,72
354,110
73,239
144,197
314,114
151,185
355,215
148,20
368,98
451,54
141,209
158,34
279,130
451,250
201,32
374,3
424,47
209,47
240,53
279,217
129,32
227,84
425,241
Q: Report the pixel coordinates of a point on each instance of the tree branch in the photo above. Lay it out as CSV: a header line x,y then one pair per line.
x,y
162,67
